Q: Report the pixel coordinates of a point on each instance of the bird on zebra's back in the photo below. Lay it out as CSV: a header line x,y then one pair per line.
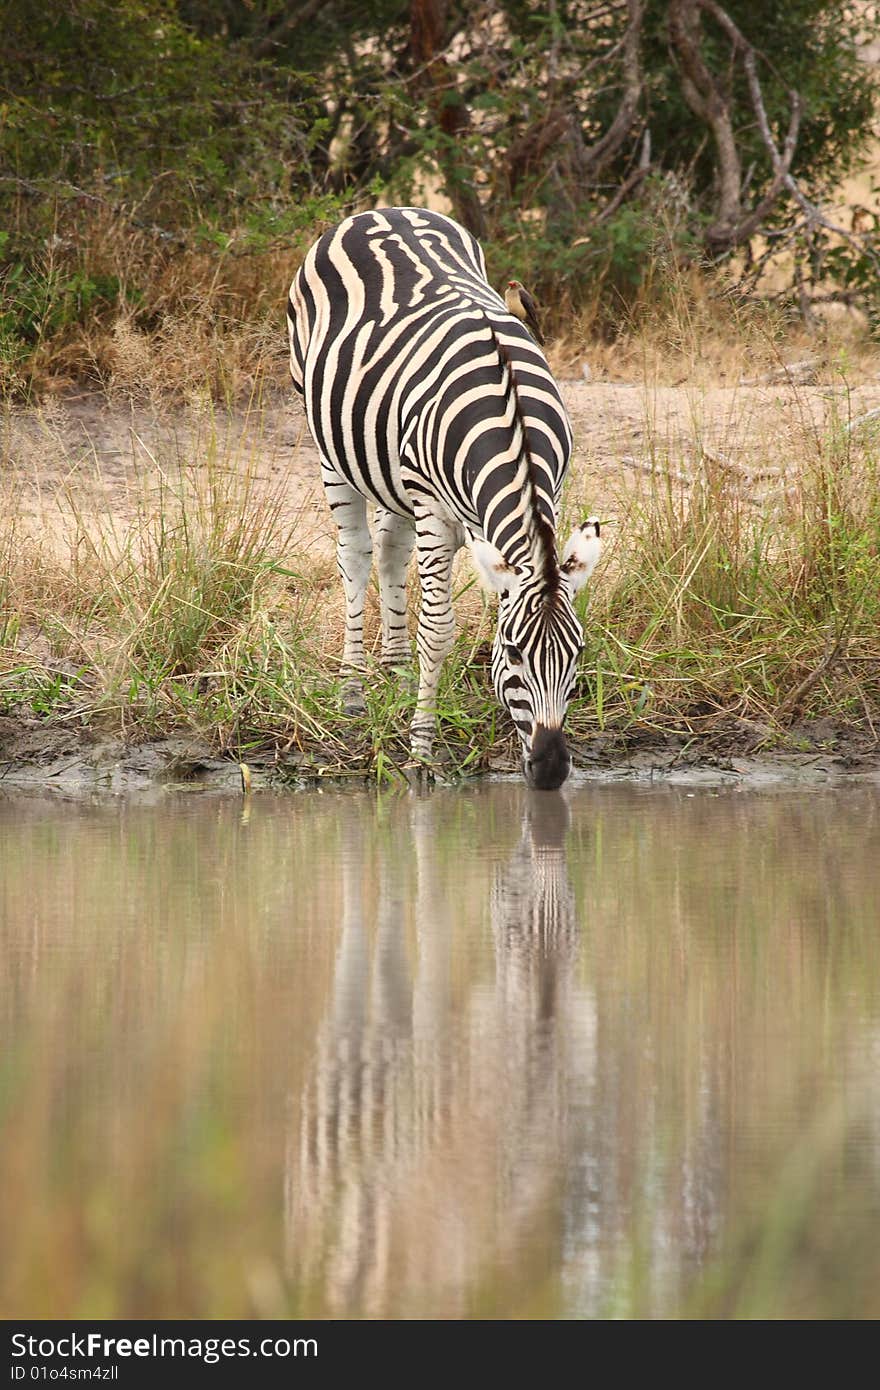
x,y
521,303
427,398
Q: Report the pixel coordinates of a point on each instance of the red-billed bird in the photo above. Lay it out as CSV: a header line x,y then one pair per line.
x,y
520,303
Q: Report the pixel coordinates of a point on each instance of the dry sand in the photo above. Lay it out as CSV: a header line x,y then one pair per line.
x,y
81,451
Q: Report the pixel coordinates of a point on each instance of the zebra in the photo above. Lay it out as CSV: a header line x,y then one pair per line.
x,y
426,397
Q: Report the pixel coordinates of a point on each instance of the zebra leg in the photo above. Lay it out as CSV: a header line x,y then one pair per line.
x,y
394,543
354,556
436,543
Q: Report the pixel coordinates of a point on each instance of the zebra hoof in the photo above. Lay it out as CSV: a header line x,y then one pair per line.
x,y
353,702
418,774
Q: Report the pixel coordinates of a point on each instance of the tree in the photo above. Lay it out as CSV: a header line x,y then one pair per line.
x,y
568,134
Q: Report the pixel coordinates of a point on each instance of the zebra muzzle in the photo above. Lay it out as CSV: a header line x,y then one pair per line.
x,y
548,762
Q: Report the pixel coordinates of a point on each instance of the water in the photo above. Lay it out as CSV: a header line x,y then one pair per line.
x,y
475,1053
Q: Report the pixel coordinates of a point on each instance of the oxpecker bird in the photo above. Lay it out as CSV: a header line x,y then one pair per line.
x,y
520,303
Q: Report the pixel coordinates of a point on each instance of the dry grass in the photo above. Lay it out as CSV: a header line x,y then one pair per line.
x,y
694,327
147,317
150,318
742,596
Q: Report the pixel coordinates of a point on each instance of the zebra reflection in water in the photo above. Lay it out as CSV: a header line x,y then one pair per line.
x,y
430,1144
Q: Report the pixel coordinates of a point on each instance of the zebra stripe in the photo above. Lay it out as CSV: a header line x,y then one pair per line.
x,y
427,398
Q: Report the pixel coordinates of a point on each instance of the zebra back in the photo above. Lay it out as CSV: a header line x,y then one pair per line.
x,y
419,382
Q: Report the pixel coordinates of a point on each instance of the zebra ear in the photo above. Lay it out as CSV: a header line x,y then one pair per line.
x,y
492,569
582,550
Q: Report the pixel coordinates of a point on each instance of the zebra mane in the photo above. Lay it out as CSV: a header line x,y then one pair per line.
x,y
541,533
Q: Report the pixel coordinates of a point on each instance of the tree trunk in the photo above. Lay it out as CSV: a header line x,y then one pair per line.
x,y
435,78
708,102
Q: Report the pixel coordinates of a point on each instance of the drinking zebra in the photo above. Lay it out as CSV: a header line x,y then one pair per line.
x,y
426,397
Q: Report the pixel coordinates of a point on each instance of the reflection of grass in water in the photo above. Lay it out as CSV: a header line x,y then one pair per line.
x,y
809,1248
148,1206
133,1168
802,1246
734,937
180,1225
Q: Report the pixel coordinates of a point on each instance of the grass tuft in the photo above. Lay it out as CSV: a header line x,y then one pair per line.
x,y
722,604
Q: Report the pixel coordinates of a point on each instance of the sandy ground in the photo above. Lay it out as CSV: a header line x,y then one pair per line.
x,y
81,452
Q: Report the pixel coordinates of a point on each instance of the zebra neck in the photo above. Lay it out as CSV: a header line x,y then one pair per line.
x,y
528,545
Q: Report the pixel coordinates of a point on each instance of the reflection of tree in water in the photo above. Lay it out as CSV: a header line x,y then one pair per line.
x,y
432,1138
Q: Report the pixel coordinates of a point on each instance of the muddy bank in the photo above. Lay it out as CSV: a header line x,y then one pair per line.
x,y
35,756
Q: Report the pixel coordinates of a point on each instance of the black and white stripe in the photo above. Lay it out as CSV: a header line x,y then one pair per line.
x,y
426,397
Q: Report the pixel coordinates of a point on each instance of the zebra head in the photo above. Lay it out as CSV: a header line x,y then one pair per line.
x,y
537,645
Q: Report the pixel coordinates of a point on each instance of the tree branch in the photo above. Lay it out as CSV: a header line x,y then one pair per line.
x,y
447,109
285,25
707,101
629,185
595,157
781,161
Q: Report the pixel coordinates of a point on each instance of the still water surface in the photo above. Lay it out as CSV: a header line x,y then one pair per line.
x,y
482,1052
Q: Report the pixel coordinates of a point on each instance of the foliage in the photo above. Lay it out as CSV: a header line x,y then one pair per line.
x,y
562,134
38,302
126,102
811,46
